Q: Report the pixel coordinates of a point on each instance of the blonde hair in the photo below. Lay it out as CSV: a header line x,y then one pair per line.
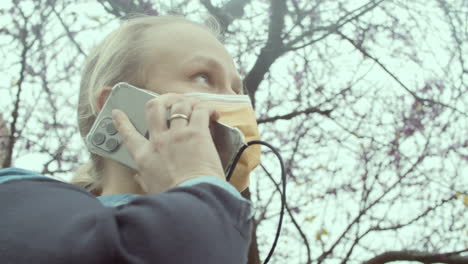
x,y
119,57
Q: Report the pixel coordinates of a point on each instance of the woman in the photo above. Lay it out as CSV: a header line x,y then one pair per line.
x,y
177,207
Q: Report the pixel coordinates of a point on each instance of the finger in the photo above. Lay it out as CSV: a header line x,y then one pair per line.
x,y
130,136
156,113
183,107
202,116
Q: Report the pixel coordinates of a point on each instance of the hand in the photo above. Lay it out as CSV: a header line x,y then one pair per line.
x,y
176,154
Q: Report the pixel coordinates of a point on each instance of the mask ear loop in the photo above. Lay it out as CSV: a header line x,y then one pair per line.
x,y
283,179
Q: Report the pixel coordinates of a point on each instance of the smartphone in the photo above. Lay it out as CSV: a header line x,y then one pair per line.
x,y
104,140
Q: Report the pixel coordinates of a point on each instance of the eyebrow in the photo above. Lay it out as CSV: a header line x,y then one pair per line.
x,y
214,64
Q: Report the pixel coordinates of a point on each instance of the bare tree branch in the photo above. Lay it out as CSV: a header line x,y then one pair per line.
x,y
363,211
415,96
228,13
340,22
291,115
293,219
4,136
424,257
453,28
272,50
395,227
15,113
123,8
66,28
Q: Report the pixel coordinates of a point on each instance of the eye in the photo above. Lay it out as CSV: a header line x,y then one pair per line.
x,y
202,76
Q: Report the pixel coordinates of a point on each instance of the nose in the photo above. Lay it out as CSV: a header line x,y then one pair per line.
x,y
226,88
227,91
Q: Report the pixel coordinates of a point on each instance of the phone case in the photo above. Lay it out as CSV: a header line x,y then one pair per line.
x,y
104,140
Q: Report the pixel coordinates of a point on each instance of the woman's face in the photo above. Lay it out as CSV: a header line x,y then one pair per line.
x,y
188,58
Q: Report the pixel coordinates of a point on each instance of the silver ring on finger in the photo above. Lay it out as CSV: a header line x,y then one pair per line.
x,y
174,116
178,124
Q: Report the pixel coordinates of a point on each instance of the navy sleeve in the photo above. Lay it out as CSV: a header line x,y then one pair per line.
x,y
48,221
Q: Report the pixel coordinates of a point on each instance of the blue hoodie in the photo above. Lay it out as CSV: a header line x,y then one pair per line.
x,y
43,220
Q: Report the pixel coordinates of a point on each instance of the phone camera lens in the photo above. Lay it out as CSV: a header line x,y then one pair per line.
x,y
99,138
112,144
110,128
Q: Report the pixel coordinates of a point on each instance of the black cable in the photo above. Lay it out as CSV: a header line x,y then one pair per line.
x,y
283,179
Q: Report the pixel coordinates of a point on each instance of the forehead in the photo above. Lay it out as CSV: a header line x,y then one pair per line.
x,y
178,41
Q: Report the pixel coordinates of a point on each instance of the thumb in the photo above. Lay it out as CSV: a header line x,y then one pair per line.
x,y
130,136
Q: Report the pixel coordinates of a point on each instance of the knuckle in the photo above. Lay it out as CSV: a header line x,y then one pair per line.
x,y
177,105
163,99
201,107
195,102
185,134
140,159
167,98
205,110
151,103
168,95
124,133
193,133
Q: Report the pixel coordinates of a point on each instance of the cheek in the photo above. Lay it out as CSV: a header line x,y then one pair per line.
x,y
160,83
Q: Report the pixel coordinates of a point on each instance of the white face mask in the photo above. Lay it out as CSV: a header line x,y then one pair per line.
x,y
237,111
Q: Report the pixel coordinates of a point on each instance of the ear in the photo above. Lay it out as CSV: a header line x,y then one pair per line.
x,y
102,97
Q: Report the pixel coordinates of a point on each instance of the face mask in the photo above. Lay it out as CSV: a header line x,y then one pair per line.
x,y
236,111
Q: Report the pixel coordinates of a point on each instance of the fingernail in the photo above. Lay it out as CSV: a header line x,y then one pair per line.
x,y
115,115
